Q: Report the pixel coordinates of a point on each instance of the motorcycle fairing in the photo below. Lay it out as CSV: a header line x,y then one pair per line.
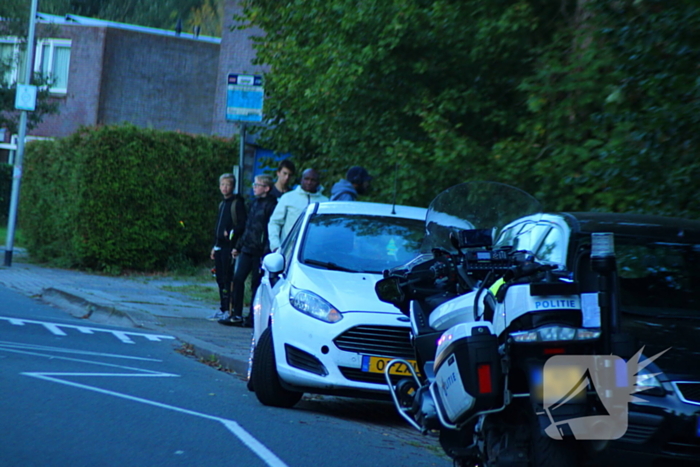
x,y
468,372
519,302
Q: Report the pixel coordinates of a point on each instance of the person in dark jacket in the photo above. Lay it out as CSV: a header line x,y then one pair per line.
x,y
230,223
356,182
285,178
250,249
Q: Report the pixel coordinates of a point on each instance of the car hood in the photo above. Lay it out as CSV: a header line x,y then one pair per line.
x,y
658,333
348,292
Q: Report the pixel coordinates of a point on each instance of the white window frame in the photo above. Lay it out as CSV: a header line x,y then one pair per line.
x,y
38,59
14,71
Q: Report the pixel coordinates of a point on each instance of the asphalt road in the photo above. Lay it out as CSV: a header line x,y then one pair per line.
x,y
80,394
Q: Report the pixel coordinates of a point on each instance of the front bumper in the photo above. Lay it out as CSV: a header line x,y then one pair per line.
x,y
315,356
662,430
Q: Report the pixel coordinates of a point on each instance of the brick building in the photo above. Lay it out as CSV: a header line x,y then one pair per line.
x,y
109,73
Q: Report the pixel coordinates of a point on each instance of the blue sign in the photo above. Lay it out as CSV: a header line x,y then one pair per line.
x,y
244,98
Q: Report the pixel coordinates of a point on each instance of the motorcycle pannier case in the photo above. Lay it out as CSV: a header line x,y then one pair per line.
x,y
468,374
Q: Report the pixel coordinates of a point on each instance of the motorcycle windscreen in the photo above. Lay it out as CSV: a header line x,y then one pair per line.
x,y
474,205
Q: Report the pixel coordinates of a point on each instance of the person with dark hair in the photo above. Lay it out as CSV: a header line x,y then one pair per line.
x,y
356,182
250,249
285,178
230,223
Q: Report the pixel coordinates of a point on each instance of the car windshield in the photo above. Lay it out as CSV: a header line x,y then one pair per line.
x,y
360,243
659,278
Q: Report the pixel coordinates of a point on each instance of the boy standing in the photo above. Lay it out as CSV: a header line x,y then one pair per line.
x,y
230,224
285,178
250,249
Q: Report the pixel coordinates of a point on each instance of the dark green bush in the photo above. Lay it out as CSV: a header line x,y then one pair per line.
x,y
122,197
5,191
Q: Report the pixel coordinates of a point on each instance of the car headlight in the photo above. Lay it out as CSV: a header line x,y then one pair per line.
x,y
311,304
648,384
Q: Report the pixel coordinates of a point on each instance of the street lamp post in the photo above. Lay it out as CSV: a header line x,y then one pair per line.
x,y
17,169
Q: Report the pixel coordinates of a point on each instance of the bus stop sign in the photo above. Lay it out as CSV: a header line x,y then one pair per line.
x,y
244,98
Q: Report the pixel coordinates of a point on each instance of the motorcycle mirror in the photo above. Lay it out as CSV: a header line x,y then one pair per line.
x,y
388,290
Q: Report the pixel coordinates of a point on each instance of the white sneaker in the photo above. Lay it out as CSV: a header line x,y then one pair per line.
x,y
217,316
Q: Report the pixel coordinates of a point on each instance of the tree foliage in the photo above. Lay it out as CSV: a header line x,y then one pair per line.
x,y
588,104
163,14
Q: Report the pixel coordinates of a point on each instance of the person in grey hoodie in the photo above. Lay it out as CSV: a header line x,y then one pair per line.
x,y
356,182
291,205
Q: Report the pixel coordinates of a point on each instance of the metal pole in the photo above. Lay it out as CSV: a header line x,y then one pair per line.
x,y
241,159
17,169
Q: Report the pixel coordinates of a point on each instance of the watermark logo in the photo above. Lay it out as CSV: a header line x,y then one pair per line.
x,y
567,379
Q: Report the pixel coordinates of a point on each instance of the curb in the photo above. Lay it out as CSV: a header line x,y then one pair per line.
x,y
81,306
206,350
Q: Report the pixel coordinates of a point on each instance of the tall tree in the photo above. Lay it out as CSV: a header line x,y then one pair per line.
x,y
590,104
208,17
427,85
162,14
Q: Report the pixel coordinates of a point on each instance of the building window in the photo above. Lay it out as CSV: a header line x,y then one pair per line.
x,y
8,61
51,60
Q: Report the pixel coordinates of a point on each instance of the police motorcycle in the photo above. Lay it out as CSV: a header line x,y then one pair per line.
x,y
484,319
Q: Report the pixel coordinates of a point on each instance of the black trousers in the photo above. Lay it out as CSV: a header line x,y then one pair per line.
x,y
246,264
224,276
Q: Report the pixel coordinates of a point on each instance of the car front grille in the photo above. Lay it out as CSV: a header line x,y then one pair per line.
x,y
638,434
304,361
688,392
686,446
383,341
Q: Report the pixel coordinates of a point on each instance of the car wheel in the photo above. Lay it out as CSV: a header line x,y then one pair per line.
x,y
265,380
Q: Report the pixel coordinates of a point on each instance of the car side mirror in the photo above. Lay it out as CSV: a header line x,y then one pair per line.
x,y
273,263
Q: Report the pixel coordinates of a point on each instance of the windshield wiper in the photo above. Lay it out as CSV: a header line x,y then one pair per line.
x,y
328,265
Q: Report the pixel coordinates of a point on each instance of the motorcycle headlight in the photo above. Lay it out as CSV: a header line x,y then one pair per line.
x,y
554,334
311,304
648,384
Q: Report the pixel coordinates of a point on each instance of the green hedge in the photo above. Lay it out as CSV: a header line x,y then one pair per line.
x,y
122,197
5,191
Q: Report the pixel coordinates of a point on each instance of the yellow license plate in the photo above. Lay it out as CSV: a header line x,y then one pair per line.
x,y
379,364
560,381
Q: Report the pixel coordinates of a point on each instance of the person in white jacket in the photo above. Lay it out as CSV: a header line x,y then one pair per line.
x,y
291,205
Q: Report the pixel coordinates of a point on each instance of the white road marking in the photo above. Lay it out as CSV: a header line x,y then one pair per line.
x,y
57,329
259,449
5,345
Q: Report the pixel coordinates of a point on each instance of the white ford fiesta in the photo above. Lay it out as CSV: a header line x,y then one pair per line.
x,y
318,324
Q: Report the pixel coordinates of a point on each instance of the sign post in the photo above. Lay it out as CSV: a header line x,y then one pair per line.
x,y
244,104
25,101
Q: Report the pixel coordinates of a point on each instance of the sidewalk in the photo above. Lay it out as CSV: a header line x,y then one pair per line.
x,y
133,302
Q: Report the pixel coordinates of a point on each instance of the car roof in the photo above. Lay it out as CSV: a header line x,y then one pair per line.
x,y
636,225
371,209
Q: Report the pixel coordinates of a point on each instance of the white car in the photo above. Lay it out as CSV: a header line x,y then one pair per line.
x,y
319,326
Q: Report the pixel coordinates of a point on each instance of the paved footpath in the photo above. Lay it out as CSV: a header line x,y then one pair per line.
x,y
133,302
